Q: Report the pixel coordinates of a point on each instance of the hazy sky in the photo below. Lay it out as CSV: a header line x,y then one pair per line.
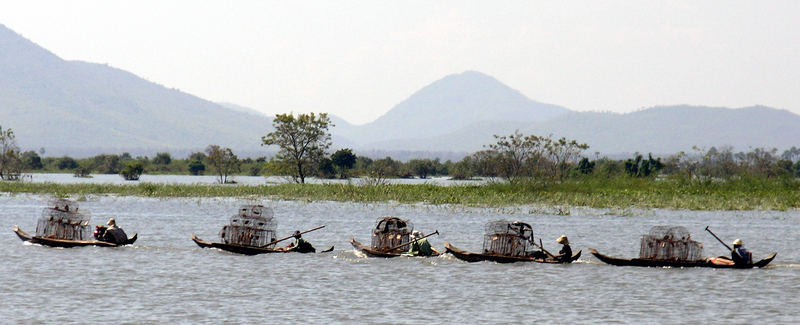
x,y
357,59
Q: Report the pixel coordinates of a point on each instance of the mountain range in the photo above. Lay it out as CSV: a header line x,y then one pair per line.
x,y
79,109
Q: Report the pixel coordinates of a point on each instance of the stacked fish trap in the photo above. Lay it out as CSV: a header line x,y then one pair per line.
x,y
391,232
254,225
61,220
670,243
506,238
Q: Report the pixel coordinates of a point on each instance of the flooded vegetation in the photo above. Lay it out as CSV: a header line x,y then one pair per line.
x,y
624,192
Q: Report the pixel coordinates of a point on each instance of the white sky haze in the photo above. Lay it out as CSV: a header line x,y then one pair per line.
x,y
357,59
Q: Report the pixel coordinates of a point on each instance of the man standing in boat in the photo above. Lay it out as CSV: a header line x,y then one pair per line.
x,y
565,254
301,245
419,246
740,255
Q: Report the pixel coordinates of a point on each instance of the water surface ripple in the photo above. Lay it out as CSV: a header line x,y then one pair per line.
x,y
165,277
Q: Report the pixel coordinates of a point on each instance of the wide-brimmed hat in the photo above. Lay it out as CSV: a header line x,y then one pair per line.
x,y
111,222
563,240
416,234
737,242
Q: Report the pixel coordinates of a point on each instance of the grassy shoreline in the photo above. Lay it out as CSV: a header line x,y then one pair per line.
x,y
742,194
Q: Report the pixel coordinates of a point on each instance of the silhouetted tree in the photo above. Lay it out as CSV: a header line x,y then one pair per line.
x,y
302,141
344,160
223,160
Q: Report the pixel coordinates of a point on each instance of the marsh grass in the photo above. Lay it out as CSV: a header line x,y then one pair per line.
x,y
597,192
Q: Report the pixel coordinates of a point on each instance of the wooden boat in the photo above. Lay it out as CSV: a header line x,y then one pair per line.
x,y
721,262
243,249
53,242
371,252
477,257
234,248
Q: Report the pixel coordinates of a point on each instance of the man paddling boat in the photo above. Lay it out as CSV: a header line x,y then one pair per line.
x,y
740,255
419,245
301,245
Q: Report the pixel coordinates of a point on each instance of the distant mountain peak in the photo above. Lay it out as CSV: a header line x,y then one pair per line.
x,y
453,102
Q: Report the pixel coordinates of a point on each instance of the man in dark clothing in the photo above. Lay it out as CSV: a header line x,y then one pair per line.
x,y
111,233
565,254
740,255
301,245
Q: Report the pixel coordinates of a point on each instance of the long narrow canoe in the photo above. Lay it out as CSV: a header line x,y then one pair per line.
x,y
242,249
715,262
369,251
233,248
53,242
477,257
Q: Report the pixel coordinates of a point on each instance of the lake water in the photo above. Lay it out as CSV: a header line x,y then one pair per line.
x,y
166,278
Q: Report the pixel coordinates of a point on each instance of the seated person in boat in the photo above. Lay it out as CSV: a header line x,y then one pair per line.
x,y
110,233
740,255
565,254
419,245
301,245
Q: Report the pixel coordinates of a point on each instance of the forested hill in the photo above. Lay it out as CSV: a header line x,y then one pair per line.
x,y
73,107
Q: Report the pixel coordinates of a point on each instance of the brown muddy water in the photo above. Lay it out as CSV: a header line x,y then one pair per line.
x,y
166,278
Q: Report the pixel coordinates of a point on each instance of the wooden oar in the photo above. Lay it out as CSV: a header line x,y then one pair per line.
x,y
720,240
413,241
287,237
541,246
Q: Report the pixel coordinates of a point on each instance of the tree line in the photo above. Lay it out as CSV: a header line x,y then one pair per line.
x,y
304,142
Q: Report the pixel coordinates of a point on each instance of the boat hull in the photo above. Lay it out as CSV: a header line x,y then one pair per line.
x,y
53,242
477,257
719,262
239,249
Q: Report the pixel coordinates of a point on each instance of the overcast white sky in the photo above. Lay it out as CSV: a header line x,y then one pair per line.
x,y
357,59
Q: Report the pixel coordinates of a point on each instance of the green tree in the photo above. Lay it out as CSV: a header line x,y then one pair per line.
x,y
421,167
162,158
10,160
462,169
66,162
132,170
302,141
585,166
107,164
344,160
518,155
223,160
196,167
639,167
326,168
32,160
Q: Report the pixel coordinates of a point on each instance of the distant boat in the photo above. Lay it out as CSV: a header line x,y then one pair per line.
x,y
63,225
509,242
390,238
